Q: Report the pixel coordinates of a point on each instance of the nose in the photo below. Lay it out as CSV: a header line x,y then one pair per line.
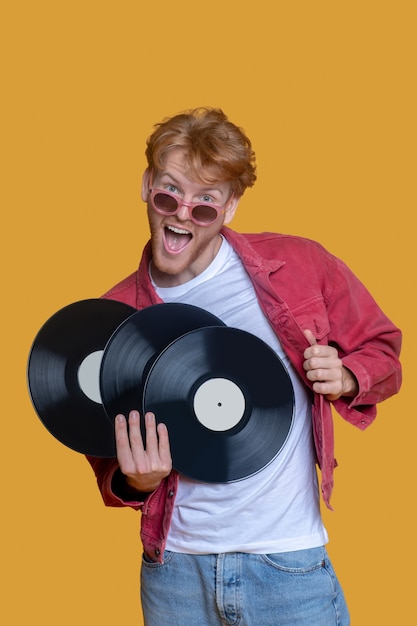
x,y
183,213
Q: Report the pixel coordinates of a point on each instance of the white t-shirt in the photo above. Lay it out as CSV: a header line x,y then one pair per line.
x,y
276,509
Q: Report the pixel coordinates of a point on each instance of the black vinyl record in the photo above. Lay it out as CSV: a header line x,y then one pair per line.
x,y
227,400
63,374
135,345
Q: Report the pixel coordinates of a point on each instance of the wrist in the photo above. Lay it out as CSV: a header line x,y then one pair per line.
x,y
350,385
123,490
142,486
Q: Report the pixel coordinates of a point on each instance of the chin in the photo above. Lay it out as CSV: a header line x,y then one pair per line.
x,y
164,270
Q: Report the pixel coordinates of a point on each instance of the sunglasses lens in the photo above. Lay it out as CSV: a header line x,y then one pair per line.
x,y
204,213
165,203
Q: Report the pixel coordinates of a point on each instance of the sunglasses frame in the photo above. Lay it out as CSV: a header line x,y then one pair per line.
x,y
190,206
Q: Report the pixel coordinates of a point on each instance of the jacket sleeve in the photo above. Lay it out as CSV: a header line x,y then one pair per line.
x,y
110,482
368,343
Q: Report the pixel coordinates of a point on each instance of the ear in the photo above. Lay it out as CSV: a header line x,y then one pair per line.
x,y
230,209
146,181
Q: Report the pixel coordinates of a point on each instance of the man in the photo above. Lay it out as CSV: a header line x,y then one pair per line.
x,y
249,552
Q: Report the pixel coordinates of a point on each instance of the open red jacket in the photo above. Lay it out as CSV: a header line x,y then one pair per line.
x,y
299,285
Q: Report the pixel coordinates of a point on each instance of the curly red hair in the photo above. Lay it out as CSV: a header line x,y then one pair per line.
x,y
214,148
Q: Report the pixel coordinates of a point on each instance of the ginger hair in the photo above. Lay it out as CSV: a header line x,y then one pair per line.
x,y
214,148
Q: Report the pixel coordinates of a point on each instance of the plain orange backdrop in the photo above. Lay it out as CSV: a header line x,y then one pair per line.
x,y
327,93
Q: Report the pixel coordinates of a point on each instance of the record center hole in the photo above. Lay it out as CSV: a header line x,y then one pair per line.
x,y
215,414
89,376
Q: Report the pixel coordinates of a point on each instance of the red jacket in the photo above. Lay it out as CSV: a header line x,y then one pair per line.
x,y
299,285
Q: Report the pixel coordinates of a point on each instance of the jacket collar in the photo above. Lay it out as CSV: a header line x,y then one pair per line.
x,y
250,257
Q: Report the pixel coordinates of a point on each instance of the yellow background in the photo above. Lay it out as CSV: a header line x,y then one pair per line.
x,y
327,93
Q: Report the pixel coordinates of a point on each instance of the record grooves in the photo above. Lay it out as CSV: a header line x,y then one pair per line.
x,y
224,394
135,345
64,356
243,384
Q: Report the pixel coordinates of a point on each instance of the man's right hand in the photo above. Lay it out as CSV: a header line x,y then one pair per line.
x,y
144,468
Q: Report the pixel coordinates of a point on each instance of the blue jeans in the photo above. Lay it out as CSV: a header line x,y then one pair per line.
x,y
289,589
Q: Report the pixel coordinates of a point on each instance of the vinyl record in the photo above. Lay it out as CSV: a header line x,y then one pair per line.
x,y
63,374
227,400
135,345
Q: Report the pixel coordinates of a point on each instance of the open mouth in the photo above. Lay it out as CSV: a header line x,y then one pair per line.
x,y
176,239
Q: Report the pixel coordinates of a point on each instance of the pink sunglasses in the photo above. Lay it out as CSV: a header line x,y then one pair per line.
x,y
201,213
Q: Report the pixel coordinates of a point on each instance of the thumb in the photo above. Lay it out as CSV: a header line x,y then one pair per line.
x,y
310,337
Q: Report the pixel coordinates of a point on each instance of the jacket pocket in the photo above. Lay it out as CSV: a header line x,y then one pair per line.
x,y
313,315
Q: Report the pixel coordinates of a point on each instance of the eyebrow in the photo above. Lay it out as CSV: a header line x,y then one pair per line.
x,y
203,189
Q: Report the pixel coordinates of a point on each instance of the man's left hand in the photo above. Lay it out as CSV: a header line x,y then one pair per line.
x,y
326,371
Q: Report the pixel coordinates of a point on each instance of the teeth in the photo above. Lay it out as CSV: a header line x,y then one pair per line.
x,y
179,231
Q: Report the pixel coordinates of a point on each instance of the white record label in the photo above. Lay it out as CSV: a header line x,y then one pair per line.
x,y
219,404
89,376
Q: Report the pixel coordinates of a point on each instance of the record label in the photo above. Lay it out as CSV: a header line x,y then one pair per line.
x,y
89,376
219,404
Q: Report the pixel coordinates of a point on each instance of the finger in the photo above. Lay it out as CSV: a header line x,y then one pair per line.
x,y
151,434
310,337
122,437
135,435
123,451
164,447
323,387
323,374
313,349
